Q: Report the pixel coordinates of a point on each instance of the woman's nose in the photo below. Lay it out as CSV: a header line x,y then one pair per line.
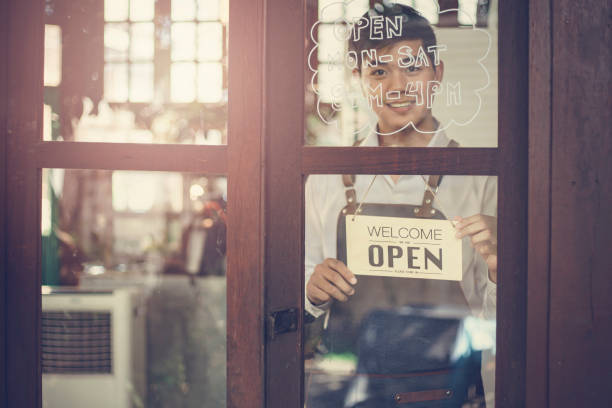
x,y
397,81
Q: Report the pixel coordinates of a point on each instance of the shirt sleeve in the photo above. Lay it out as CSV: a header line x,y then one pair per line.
x,y
313,241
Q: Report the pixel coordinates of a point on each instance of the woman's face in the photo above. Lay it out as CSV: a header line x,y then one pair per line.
x,y
392,86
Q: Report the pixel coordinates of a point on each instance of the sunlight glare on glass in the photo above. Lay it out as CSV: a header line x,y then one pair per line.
x,y
133,191
115,10
183,10
116,82
467,12
183,41
356,8
331,49
141,82
196,191
428,9
53,55
116,42
182,79
330,77
208,10
330,10
210,41
143,41
142,10
210,82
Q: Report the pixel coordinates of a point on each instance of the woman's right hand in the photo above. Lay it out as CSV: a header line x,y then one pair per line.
x,y
330,279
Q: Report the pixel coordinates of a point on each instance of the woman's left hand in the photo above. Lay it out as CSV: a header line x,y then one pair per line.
x,y
482,230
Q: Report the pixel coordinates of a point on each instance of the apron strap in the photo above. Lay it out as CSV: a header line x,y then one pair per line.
x,y
425,211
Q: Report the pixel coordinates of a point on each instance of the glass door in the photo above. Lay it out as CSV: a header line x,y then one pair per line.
x,y
413,120
134,234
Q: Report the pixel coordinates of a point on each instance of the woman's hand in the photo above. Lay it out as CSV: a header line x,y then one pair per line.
x,y
330,279
482,230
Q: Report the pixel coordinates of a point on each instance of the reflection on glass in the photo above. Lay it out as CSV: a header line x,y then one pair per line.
x,y
134,308
428,9
210,81
164,68
53,55
330,10
47,123
210,41
143,43
183,10
183,79
331,48
183,41
142,10
356,8
116,42
116,82
141,82
208,10
467,11
345,106
115,10
421,314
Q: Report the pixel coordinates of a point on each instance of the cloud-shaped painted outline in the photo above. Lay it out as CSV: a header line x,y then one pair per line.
x,y
373,126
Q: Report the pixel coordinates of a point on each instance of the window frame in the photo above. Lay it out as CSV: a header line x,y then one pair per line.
x,y
26,154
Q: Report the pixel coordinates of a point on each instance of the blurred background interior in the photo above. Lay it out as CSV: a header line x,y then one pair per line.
x,y
133,263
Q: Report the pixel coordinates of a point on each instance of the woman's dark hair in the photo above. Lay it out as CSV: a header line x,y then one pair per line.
x,y
414,27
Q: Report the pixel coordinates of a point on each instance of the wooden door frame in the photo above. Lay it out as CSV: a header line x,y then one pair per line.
x,y
20,44
284,127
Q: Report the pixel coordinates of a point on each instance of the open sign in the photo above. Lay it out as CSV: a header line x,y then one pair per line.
x,y
403,247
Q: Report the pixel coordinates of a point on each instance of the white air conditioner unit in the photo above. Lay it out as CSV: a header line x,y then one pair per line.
x,y
93,348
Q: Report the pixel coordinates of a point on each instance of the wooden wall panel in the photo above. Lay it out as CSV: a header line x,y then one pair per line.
x,y
580,355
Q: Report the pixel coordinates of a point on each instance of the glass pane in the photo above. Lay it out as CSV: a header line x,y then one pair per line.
x,y
142,10
143,42
124,85
116,42
53,55
183,41
208,10
115,10
406,73
116,82
141,82
330,10
183,82
210,82
331,48
210,41
183,10
134,289
400,290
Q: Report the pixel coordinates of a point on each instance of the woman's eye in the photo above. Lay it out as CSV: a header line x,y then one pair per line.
x,y
412,68
378,72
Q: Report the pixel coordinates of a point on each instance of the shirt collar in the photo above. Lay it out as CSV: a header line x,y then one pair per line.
x,y
439,139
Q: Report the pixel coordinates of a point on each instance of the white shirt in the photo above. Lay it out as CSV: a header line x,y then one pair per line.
x,y
457,196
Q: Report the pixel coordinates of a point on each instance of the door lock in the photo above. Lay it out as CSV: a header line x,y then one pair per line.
x,y
282,321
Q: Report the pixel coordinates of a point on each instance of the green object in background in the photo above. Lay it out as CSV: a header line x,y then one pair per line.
x,y
50,262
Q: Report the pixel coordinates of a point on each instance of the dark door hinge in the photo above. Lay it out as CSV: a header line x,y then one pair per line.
x,y
281,321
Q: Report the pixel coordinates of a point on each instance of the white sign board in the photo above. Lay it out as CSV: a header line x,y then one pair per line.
x,y
403,247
